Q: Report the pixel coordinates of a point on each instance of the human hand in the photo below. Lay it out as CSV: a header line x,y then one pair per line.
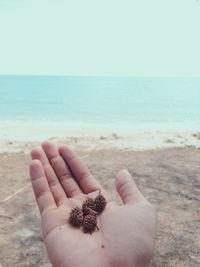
x,y
61,181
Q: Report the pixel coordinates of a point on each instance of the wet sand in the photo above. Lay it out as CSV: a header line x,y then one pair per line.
x,y
168,177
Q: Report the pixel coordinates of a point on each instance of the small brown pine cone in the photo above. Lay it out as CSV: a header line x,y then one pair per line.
x,y
100,202
76,217
88,204
90,223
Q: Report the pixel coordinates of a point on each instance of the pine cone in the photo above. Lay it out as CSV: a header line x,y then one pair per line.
x,y
90,223
76,217
100,202
88,204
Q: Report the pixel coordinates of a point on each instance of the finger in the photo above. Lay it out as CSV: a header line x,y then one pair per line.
x,y
41,188
127,188
82,174
54,184
38,153
62,171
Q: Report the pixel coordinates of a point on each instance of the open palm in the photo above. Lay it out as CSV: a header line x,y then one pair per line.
x,y
61,181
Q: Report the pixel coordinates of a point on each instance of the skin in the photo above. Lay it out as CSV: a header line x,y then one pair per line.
x,y
61,181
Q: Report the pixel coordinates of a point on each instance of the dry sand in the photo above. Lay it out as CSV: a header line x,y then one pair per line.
x,y
168,177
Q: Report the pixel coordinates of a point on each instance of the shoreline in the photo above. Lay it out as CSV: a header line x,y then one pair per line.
x,y
22,137
18,136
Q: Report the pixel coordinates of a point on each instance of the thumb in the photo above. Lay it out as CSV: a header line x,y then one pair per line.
x,y
127,188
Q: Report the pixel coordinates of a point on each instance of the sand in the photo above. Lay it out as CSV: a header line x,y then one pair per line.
x,y
169,177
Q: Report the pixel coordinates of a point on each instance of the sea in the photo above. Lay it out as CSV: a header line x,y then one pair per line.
x,y
118,102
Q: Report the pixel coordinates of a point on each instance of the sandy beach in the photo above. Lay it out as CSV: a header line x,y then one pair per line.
x,y
165,167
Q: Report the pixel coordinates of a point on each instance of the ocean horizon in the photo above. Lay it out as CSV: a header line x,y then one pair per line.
x,y
118,102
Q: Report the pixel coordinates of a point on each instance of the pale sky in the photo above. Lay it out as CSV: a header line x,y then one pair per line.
x,y
100,37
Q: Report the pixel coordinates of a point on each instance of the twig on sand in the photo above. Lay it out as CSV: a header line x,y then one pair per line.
x,y
14,194
85,156
6,216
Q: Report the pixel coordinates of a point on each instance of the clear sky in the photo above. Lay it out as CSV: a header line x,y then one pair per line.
x,y
100,37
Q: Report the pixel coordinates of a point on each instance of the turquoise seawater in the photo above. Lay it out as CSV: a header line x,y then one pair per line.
x,y
135,102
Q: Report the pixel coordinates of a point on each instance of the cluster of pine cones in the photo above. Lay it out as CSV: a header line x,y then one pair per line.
x,y
87,216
